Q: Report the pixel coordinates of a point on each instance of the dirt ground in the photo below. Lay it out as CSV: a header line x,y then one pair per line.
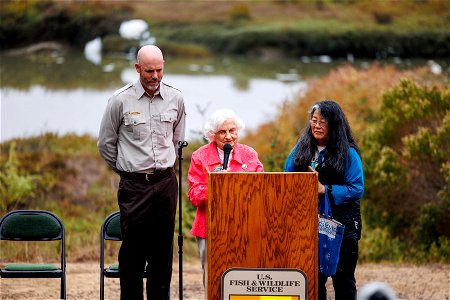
x,y
430,282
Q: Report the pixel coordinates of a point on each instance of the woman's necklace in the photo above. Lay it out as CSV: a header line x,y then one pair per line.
x,y
318,157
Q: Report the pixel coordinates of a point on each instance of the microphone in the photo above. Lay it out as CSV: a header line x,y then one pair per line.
x,y
226,154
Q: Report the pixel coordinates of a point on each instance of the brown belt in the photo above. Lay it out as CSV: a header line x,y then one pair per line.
x,y
154,176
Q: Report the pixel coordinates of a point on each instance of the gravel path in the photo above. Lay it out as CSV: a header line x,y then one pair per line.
x,y
430,282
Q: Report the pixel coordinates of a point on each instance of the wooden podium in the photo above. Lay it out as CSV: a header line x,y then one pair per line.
x,y
261,220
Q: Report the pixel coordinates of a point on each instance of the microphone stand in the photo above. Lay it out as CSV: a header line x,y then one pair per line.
x,y
181,145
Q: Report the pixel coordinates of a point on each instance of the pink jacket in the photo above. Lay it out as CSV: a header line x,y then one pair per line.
x,y
244,159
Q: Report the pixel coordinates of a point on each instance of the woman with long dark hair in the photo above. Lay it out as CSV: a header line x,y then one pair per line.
x,y
327,146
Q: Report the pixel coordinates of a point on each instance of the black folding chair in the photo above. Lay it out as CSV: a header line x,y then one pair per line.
x,y
110,231
34,225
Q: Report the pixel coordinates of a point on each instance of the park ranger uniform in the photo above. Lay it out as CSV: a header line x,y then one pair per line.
x,y
138,138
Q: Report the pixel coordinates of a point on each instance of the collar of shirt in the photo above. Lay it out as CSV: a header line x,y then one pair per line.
x,y
222,154
318,151
214,159
140,91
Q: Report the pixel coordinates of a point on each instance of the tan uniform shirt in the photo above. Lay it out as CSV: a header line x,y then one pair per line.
x,y
139,133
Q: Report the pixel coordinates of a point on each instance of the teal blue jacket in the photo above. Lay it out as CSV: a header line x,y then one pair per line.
x,y
346,192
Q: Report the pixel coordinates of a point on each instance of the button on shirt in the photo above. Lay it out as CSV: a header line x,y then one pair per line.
x,y
138,132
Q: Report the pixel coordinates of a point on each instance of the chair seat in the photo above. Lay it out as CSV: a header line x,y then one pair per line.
x,y
30,271
113,268
113,272
30,267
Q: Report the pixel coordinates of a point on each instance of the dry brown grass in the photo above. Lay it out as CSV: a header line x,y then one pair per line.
x,y
211,11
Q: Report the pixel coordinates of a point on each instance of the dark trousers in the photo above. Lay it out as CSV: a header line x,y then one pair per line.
x,y
147,212
344,281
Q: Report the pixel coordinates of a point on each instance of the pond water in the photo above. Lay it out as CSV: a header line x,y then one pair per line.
x,y
39,109
68,94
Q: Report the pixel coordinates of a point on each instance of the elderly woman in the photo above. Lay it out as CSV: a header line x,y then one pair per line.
x,y
222,128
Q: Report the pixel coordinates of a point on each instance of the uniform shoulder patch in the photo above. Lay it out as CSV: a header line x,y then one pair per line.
x,y
121,90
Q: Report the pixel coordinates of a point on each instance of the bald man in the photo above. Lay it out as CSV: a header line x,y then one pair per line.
x,y
138,138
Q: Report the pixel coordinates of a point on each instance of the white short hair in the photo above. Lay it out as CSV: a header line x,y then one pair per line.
x,y
217,119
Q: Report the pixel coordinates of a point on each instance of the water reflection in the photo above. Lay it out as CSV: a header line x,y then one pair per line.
x,y
66,93
38,110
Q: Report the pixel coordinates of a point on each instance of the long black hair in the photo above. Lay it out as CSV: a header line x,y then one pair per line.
x,y
339,141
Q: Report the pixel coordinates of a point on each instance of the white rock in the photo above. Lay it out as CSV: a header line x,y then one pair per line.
x,y
133,29
93,50
435,68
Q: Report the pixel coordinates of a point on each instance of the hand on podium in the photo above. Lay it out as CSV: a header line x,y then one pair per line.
x,y
320,187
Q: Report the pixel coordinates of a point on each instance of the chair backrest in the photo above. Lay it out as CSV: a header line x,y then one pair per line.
x,y
34,225
110,230
31,225
111,227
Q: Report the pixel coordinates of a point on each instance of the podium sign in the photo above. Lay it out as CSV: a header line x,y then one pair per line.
x,y
279,284
261,221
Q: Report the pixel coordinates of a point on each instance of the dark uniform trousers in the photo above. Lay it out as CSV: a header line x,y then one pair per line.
x,y
344,281
147,212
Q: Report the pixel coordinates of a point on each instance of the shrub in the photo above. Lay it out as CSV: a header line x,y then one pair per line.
x,y
440,250
377,245
382,17
24,22
114,43
14,187
240,12
406,163
431,228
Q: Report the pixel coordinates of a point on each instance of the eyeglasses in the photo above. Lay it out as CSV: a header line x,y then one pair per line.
x,y
223,133
317,123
